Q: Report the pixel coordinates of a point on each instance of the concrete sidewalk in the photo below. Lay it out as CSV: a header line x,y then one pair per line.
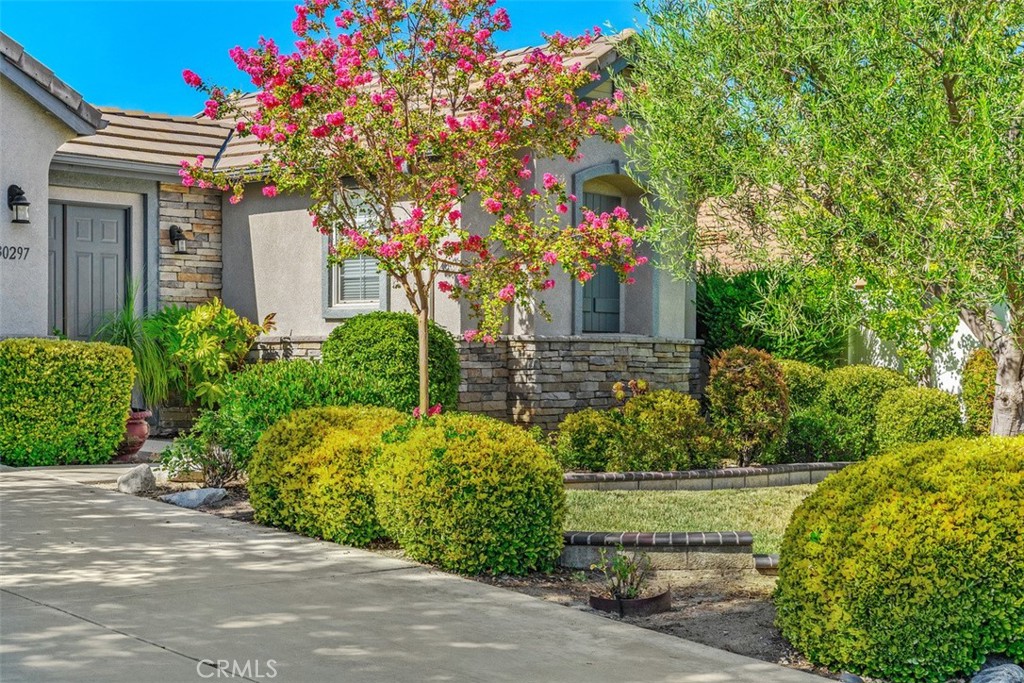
x,y
100,586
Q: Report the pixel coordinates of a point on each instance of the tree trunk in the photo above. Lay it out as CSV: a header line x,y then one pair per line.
x,y
1008,410
424,338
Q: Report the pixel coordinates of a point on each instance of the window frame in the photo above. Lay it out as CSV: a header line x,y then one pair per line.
x,y
340,310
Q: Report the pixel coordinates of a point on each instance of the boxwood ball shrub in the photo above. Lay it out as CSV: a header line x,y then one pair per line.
x,y
804,381
62,402
471,494
916,415
978,390
584,439
748,401
663,431
910,567
818,434
310,472
854,392
381,350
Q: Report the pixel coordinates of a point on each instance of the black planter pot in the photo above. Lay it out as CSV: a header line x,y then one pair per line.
x,y
637,607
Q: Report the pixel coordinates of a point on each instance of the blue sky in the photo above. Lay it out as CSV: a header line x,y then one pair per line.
x,y
130,53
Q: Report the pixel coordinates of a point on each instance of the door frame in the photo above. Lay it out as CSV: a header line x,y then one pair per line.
x,y
579,179
62,278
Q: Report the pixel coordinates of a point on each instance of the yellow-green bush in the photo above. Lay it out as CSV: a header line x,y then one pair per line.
x,y
910,566
853,392
804,381
62,402
471,494
978,390
585,438
663,431
916,415
310,472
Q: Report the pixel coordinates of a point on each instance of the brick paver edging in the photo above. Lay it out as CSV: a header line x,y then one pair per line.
x,y
696,480
670,550
677,539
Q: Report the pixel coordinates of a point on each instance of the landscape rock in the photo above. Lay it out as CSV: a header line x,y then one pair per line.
x,y
1002,673
136,480
848,677
194,498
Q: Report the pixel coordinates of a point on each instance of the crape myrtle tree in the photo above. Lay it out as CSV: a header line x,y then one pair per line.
x,y
874,147
393,115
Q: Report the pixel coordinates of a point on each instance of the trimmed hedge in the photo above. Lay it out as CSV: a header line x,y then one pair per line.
x,y
381,349
804,381
585,438
817,434
62,402
471,494
910,566
853,392
310,473
663,431
916,415
749,402
978,391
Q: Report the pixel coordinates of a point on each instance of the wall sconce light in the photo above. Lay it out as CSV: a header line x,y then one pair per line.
x,y
18,204
177,236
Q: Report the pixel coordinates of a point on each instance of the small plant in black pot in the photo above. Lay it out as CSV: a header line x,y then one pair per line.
x,y
625,578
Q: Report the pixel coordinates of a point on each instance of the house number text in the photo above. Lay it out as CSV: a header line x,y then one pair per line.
x,y
13,253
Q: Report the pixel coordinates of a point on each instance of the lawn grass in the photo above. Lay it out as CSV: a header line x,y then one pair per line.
x,y
764,512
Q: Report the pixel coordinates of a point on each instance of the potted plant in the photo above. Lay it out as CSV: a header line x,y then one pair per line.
x,y
126,328
626,577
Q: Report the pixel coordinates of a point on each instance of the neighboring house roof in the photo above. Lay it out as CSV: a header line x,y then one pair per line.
x,y
147,142
53,94
157,143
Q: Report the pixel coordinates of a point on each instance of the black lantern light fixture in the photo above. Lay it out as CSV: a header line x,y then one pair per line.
x,y
177,236
18,204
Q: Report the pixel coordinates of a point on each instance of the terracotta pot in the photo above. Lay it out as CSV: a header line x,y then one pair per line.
x,y
136,433
637,607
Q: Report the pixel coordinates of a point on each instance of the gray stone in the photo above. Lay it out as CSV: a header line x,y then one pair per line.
x,y
1003,673
136,480
848,677
194,498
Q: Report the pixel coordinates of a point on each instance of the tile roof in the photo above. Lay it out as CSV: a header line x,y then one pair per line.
x,y
52,92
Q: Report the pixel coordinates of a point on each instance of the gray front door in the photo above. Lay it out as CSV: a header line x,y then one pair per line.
x,y
601,300
88,245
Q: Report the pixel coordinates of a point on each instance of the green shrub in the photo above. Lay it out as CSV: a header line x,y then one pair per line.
x,y
978,390
915,415
732,311
310,472
910,566
854,392
817,434
663,431
383,350
62,402
585,438
804,381
471,494
749,403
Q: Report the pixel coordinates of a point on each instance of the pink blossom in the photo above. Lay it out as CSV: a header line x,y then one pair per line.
x,y
454,216
562,208
463,280
492,205
550,258
434,410
416,412
470,335
211,109
507,293
389,249
549,181
630,280
547,284
641,260
234,199
445,286
270,191
192,78
335,118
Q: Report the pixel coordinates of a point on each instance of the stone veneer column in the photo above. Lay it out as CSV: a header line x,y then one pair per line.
x,y
193,277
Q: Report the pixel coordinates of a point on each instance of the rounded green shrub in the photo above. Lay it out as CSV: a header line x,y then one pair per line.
x,y
978,390
585,438
817,434
910,566
381,351
62,402
748,401
663,431
471,494
853,392
915,415
310,472
804,381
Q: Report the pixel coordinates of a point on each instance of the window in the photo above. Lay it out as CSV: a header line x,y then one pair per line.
x,y
355,281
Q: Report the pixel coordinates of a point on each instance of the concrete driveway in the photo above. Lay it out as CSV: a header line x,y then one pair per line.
x,y
100,586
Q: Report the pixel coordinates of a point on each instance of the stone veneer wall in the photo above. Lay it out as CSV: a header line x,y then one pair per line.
x,y
194,277
537,381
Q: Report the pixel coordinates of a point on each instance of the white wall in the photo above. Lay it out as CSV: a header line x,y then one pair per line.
x,y
29,136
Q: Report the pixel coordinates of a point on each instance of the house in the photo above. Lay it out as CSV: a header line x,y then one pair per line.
x,y
110,195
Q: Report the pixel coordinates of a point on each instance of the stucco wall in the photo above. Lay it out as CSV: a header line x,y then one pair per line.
x,y
28,138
